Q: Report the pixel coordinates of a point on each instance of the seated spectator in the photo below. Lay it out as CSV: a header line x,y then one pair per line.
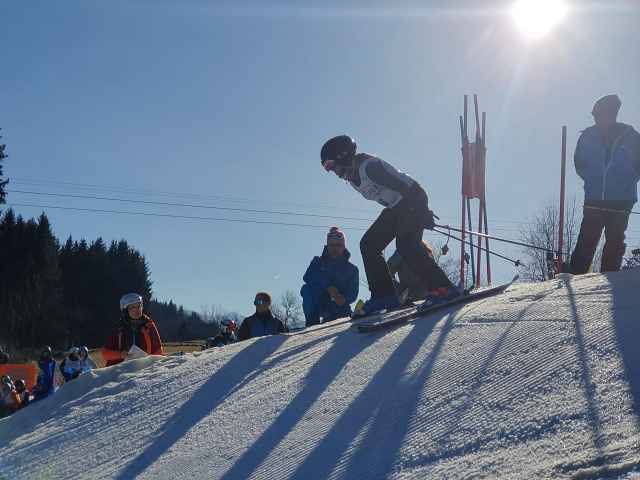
x,y
331,282
135,328
410,287
71,367
86,363
9,398
45,384
23,393
227,333
262,322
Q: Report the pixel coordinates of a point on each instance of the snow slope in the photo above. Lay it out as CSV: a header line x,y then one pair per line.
x,y
540,382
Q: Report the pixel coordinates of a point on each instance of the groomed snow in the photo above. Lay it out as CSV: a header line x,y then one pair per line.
x,y
540,382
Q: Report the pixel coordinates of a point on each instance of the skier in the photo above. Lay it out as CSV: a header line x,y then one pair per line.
x,y
331,282
405,216
261,323
135,329
607,158
45,384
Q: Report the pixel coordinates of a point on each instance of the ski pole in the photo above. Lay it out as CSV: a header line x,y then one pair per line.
x,y
516,263
498,239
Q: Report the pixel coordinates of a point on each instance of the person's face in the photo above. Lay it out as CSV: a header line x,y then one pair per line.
x,y
605,118
262,304
335,249
135,311
340,170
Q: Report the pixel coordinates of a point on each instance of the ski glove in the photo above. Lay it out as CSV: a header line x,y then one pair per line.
x,y
429,222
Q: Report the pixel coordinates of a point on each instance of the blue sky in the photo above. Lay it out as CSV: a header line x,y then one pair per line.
x,y
228,104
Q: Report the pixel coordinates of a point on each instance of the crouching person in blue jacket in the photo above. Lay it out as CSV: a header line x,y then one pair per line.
x,y
330,283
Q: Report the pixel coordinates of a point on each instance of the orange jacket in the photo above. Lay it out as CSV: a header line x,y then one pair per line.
x,y
145,336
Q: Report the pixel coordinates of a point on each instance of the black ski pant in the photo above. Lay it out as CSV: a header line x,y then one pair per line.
x,y
405,222
612,217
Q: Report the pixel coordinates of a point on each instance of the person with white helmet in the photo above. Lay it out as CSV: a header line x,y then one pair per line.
x,y
405,215
86,363
135,329
71,366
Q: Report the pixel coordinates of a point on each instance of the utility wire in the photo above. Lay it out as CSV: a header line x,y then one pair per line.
x,y
187,217
190,205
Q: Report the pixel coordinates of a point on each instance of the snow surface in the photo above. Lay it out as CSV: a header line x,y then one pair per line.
x,y
540,382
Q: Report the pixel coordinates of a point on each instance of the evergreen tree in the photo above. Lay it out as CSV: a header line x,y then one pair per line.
x,y
3,182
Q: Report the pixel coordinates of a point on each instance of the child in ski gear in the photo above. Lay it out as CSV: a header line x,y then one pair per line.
x,y
71,366
607,158
23,393
9,398
226,335
86,364
405,216
261,323
330,282
45,384
410,286
135,328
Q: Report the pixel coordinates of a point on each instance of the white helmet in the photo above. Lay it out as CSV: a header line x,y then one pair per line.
x,y
129,299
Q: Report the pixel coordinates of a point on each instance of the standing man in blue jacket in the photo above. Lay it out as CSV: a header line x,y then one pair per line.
x,y
607,158
263,322
330,282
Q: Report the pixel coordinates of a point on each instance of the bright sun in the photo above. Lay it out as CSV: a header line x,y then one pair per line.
x,y
536,18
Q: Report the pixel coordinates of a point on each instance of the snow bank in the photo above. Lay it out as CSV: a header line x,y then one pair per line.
x,y
540,382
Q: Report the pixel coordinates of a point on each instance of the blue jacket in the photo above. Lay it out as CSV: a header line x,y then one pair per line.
x,y
610,171
324,272
45,386
259,325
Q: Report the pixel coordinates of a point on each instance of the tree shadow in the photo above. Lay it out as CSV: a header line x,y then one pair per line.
x,y
386,390
320,376
208,397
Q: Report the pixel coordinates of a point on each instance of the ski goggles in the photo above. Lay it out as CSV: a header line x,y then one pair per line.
x,y
329,165
260,301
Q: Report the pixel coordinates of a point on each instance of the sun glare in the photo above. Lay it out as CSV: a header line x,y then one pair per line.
x,y
536,18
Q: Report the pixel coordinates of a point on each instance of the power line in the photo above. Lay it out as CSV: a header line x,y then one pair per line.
x,y
185,217
190,205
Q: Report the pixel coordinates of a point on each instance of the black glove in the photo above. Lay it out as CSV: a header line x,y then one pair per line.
x,y
429,220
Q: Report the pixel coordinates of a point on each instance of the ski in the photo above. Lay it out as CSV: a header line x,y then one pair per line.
x,y
399,317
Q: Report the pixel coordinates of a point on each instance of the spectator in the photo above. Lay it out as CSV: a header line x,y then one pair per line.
x,y
410,286
23,393
262,322
607,158
86,363
227,333
71,367
45,383
330,282
135,329
9,398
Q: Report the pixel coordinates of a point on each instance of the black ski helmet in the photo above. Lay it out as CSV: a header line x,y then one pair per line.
x,y
340,149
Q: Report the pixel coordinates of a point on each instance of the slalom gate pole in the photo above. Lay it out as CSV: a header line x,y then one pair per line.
x,y
563,162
